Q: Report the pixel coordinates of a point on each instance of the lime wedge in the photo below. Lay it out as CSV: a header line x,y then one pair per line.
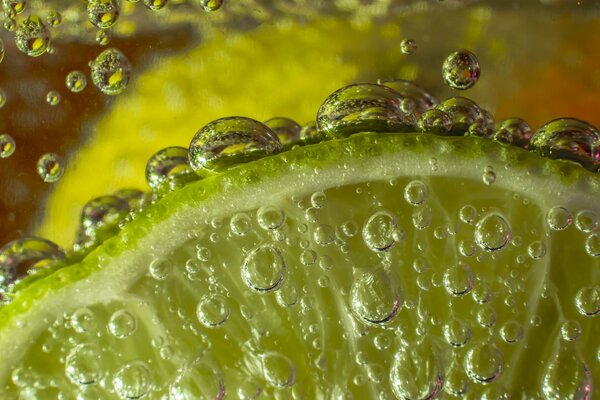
x,y
379,266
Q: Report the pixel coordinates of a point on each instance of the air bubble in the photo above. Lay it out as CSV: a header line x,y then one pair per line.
x,y
489,175
309,134
133,380
420,99
7,145
264,269
435,121
111,71
83,320
200,378
586,220
32,36
76,81
240,224
279,371
422,217
416,372
213,311
169,168
468,214
462,112
514,131
286,129
103,37
54,18
566,376
570,330
122,324
456,381
230,141
160,269
415,193
459,279
408,46
379,231
14,7
558,218
156,5
587,300
324,234
270,218
103,13
511,332
211,5
457,333
83,365
492,232
592,244
53,97
376,297
536,249
484,363
461,70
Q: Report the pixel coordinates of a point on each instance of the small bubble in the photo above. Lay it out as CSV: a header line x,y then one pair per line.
x,y
570,330
212,311
486,316
559,218
415,193
160,269
376,297
270,218
536,249
318,200
467,248
122,324
240,224
82,320
264,269
514,131
511,332
287,296
435,121
103,13
133,380
422,217
14,7
484,363
586,221
50,167
169,168
417,372
53,97
286,129
408,46
419,99
459,279
54,18
211,5
592,244
492,232
76,81
111,71
32,36
489,175
457,333
7,145
279,371
456,381
309,134
83,364
461,70
587,300
463,113
103,37
566,376
468,214
482,293
379,231
155,5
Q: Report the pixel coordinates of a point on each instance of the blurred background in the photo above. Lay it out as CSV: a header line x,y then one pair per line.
x,y
258,58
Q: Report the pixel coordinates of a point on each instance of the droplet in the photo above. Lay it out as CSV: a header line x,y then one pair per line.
x,y
53,97
362,108
103,37
230,141
489,175
457,332
83,364
536,249
570,330
213,310
76,81
376,297
415,193
559,218
435,121
416,372
54,18
592,244
169,168
7,145
587,300
111,71
122,324
380,231
133,380
420,98
459,279
462,112
309,134
155,5
586,220
32,36
492,232
270,218
569,139
279,371
22,257
461,69
200,378
511,332
566,376
83,320
240,224
514,131
264,269
103,13
408,46
286,129
211,5
100,218
484,363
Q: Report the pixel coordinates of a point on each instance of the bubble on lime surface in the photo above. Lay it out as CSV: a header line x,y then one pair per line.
x,y
408,46
100,218
492,232
422,217
587,300
376,297
324,234
160,268
32,37
286,129
381,232
459,279
536,249
435,121
53,97
7,145
2,51
461,69
420,98
468,214
211,5
457,332
264,269
565,375
83,320
309,134
416,192
559,218
484,363
514,131
76,81
111,71
169,168
122,324
512,331
270,218
489,175
586,220
103,13
592,244
362,108
570,330
240,224
456,382
287,296
200,378
569,139
133,380
417,372
155,5
463,113
83,364
230,141
213,310
21,257
54,18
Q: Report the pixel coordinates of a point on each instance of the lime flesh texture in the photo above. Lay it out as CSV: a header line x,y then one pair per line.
x,y
266,280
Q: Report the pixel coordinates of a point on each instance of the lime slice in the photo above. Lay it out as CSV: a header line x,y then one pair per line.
x,y
377,266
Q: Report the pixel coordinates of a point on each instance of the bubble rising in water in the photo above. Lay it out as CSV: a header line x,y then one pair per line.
x,y
264,269
169,167
380,231
230,141
511,331
32,37
76,81
53,97
492,232
484,363
461,69
213,310
457,333
286,129
103,13
408,46
376,297
110,71
514,131
270,218
362,108
211,5
586,220
415,193
569,139
133,380
7,145
122,324
14,7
